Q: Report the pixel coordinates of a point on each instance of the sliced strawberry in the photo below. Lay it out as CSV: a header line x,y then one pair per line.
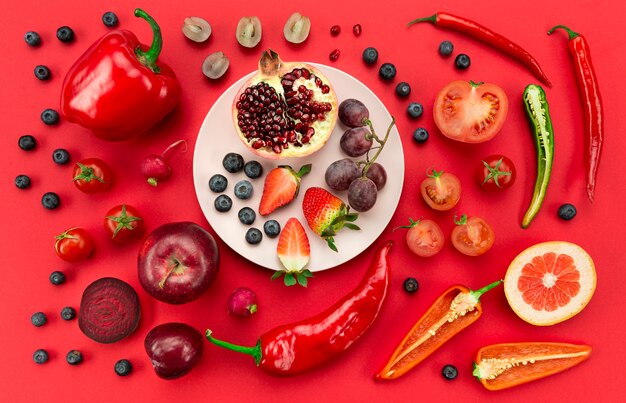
x,y
281,187
294,252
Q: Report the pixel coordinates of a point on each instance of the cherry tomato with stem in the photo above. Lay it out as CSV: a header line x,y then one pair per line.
x,y
496,172
123,223
74,245
424,237
441,190
472,236
92,175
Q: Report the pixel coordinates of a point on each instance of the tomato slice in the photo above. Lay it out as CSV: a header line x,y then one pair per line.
x,y
424,237
470,112
441,190
472,236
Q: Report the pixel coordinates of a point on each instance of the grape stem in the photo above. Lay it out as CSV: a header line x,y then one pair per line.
x,y
368,163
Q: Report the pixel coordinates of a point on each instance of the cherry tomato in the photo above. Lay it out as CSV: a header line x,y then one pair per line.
x,y
424,237
496,172
74,245
92,175
472,236
470,112
441,190
123,223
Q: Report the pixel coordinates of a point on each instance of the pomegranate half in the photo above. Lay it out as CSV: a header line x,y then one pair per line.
x,y
285,110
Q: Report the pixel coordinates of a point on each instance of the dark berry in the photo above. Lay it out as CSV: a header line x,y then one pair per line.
x,y
253,169
218,183
449,372
50,116
411,285
223,203
123,367
446,48
335,30
22,182
42,72
403,89
232,162
38,319
415,110
60,156
253,236
74,357
246,215
567,212
243,190
110,19
50,200
387,71
271,228
68,313
370,55
32,38
27,142
65,34
40,356
420,135
462,61
57,277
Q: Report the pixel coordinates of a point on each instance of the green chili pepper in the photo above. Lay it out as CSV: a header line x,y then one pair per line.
x,y
539,114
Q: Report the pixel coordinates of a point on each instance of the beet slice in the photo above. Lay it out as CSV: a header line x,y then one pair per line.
x,y
109,310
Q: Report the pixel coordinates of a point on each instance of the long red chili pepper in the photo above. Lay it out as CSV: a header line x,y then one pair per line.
x,y
592,103
297,347
484,34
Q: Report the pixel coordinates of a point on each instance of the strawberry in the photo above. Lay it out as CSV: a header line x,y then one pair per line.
x,y
294,252
281,187
327,214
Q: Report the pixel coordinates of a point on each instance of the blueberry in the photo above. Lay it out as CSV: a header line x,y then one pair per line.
x,y
223,203
567,212
462,61
65,34
57,278
233,162
50,116
370,55
123,367
68,313
243,190
253,236
40,356
247,215
253,169
218,183
387,71
50,200
74,357
420,135
449,372
32,38
446,48
38,319
22,182
27,142
415,110
271,228
411,285
42,72
403,89
110,19
60,156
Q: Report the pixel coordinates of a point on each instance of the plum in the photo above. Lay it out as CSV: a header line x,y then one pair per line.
x,y
174,349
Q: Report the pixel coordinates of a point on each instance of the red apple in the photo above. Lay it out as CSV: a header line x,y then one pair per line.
x,y
174,349
178,262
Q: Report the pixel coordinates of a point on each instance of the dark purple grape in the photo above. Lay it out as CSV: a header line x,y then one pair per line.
x,y
341,173
377,174
362,194
352,112
354,141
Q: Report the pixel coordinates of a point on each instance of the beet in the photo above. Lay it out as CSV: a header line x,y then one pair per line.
x,y
109,310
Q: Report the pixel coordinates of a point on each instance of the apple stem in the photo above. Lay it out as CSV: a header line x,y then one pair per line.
x,y
255,351
176,268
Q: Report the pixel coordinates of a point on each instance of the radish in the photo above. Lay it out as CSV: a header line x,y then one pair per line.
x,y
156,167
242,302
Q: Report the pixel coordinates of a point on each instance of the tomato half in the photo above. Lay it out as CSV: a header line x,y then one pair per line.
x,y
496,172
470,112
472,236
92,175
441,190
424,237
74,245
123,223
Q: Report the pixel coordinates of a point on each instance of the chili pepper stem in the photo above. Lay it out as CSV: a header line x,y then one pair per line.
x,y
571,34
149,57
478,293
432,18
255,351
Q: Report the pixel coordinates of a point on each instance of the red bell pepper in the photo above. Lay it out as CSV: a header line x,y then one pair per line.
x,y
117,89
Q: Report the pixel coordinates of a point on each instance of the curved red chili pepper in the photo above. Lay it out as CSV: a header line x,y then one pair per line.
x,y
485,35
592,103
297,347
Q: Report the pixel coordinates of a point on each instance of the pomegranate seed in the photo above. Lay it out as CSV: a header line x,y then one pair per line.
x,y
334,55
310,132
301,88
286,83
289,76
305,139
318,81
297,73
325,89
277,149
258,144
306,74
286,146
335,30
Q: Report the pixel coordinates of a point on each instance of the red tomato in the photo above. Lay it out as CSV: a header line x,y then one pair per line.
x,y
496,172
424,237
92,175
472,236
470,112
123,223
441,190
74,245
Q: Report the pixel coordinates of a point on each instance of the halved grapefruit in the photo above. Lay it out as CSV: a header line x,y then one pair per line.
x,y
550,282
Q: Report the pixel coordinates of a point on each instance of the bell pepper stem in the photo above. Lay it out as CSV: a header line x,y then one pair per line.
x,y
255,351
478,293
432,18
570,33
150,56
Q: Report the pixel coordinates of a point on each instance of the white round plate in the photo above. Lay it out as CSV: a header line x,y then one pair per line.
x,y
217,137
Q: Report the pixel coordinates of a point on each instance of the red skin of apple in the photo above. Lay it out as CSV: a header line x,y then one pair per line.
x,y
178,262
174,349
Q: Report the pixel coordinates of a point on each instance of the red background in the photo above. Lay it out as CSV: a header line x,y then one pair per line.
x,y
29,230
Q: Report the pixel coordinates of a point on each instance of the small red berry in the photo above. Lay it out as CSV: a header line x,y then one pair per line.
x,y
334,55
335,30
357,29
